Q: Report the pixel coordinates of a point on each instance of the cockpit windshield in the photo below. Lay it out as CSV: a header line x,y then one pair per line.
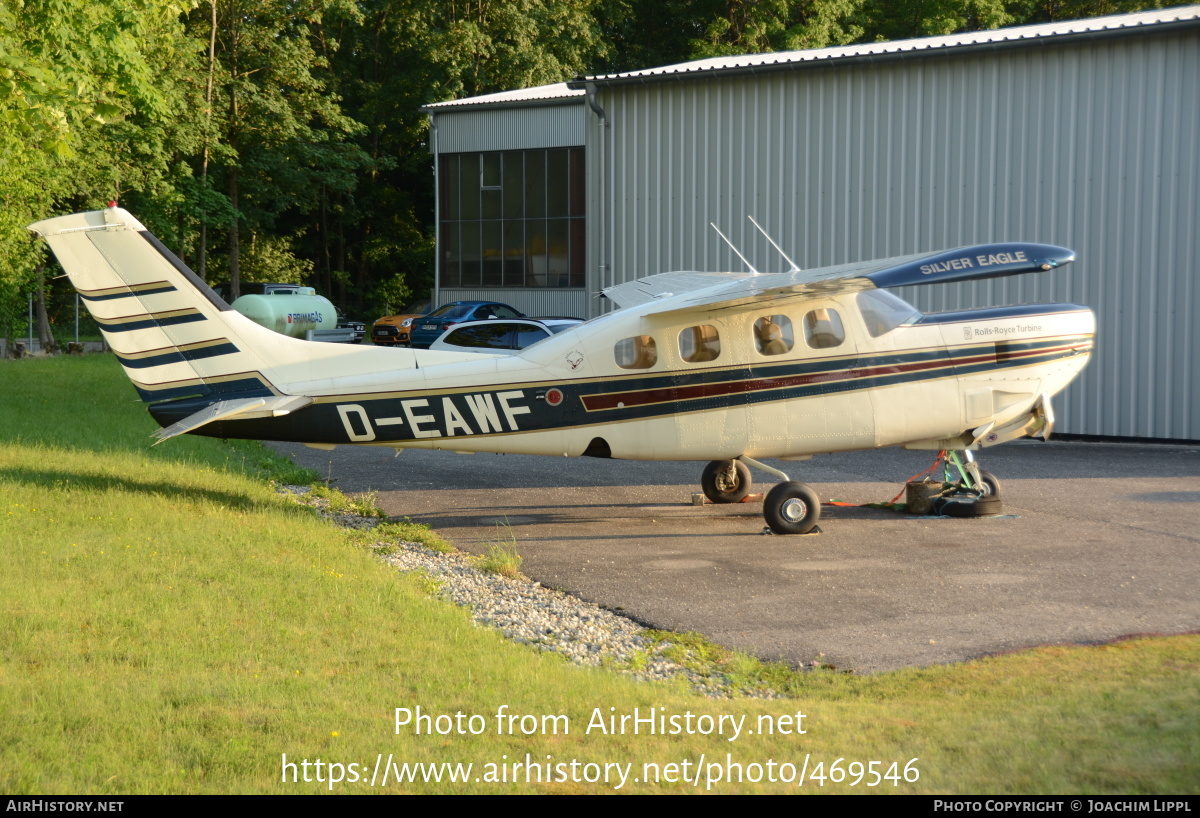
x,y
882,312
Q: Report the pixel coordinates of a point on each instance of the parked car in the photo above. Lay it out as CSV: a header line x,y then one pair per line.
x,y
425,331
345,322
501,337
392,330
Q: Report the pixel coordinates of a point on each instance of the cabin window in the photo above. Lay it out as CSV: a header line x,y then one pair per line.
x,y
638,352
823,329
773,335
882,312
699,344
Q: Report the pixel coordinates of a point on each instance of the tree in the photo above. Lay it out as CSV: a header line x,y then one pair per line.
x,y
759,26
645,33
280,142
71,71
401,55
886,20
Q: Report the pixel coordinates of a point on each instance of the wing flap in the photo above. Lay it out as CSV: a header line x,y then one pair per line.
x,y
665,285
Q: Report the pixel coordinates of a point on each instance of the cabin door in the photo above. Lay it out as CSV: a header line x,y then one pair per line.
x,y
806,397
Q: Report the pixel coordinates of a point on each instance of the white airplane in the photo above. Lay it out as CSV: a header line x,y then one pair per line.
x,y
721,367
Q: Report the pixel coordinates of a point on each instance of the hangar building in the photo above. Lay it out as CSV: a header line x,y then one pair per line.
x,y
1084,134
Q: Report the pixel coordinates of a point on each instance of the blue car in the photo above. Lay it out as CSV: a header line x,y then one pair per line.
x,y
426,330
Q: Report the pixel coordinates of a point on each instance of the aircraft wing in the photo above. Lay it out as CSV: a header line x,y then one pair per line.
x,y
720,291
665,285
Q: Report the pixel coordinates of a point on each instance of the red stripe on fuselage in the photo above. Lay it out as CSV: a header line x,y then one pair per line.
x,y
667,394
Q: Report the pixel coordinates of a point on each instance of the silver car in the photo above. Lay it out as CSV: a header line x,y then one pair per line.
x,y
498,336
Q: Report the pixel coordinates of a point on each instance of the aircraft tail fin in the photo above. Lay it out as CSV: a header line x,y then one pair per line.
x,y
168,328
178,341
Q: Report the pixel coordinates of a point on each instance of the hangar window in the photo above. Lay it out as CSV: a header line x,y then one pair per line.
x,y
512,218
699,344
638,352
773,335
823,329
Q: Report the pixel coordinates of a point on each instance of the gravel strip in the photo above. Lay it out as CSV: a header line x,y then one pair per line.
x,y
528,613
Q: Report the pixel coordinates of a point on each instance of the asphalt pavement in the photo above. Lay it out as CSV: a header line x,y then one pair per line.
x,y
1097,541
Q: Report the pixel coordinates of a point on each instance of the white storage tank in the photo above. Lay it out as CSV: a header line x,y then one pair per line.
x,y
293,313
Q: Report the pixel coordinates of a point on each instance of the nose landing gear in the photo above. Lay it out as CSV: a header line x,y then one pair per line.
x,y
976,494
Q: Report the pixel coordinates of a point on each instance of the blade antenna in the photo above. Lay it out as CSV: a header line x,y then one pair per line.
x,y
795,268
739,254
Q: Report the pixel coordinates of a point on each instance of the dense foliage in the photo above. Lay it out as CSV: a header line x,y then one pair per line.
x,y
282,139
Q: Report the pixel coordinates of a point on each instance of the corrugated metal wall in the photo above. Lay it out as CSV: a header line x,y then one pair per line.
x,y
509,129
1094,146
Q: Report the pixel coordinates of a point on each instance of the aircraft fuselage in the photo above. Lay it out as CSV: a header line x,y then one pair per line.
x,y
929,380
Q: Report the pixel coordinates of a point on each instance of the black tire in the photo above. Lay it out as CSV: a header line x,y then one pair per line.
x,y
791,508
715,482
968,506
989,484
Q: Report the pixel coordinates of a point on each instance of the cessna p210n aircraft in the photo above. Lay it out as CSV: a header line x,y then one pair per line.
x,y
720,367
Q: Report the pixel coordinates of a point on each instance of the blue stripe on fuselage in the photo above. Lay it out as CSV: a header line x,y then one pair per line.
x,y
250,387
995,313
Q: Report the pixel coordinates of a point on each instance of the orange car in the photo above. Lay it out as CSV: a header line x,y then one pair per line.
x,y
393,330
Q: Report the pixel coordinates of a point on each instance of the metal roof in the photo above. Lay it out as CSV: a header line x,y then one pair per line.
x,y
555,94
572,92
1162,19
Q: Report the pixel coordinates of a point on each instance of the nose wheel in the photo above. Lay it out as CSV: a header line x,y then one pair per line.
x,y
975,494
987,484
983,482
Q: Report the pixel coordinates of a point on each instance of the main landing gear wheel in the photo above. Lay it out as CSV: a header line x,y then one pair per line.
x,y
726,481
791,508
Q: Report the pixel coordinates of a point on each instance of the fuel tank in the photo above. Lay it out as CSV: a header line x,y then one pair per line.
x,y
291,314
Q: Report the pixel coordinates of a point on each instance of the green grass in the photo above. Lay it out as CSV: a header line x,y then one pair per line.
x,y
169,623
501,556
339,503
403,531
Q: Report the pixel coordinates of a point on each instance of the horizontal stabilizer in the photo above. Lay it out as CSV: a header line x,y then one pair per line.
x,y
720,291
241,409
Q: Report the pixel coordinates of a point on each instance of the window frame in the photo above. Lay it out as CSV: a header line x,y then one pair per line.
x,y
645,349
810,329
706,350
787,333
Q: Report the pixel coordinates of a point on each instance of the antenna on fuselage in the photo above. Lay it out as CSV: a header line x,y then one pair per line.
x,y
739,254
795,268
